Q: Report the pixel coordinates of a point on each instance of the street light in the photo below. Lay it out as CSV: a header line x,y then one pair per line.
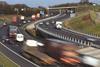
x,y
22,9
17,10
94,6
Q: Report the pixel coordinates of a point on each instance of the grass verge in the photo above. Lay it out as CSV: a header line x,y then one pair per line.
x,y
6,62
84,22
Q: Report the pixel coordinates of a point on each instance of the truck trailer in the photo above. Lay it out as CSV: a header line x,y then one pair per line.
x,y
63,51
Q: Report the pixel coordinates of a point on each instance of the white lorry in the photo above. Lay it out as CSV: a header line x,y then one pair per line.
x,y
59,24
19,37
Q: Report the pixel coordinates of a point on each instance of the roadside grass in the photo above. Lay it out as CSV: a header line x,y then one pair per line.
x,y
6,17
6,62
1,21
84,22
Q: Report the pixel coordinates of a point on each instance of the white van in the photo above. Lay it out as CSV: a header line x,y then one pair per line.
x,y
58,24
20,37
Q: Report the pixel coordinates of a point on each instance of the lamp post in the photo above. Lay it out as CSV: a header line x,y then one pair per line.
x,y
48,11
17,10
94,6
22,11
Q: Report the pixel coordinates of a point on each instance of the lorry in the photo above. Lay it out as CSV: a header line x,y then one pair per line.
x,y
58,24
19,37
63,51
12,31
66,53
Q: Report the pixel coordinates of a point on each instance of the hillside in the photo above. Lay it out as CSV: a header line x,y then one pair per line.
x,y
84,22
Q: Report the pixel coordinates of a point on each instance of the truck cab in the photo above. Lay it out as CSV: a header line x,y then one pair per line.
x,y
59,24
12,31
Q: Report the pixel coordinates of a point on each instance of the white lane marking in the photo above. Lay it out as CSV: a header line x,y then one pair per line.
x,y
19,55
9,59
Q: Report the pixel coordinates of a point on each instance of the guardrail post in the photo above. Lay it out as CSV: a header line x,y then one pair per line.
x,y
78,41
63,37
88,43
75,40
60,36
91,44
84,43
67,38
81,46
70,38
81,41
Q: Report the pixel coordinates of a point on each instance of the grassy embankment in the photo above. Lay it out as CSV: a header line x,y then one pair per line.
x,y
6,62
86,22
6,17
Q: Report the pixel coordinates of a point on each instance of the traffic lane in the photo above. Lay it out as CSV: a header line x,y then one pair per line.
x,y
55,31
81,65
80,36
69,33
20,61
84,37
11,43
61,32
13,46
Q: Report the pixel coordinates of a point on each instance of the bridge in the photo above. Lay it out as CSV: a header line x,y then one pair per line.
x,y
60,10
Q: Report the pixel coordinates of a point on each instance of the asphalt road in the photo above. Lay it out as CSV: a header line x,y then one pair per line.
x,y
12,50
50,27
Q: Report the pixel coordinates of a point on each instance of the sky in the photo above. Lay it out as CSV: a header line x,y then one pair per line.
x,y
45,3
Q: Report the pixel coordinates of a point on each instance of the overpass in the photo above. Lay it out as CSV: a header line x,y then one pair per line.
x,y
54,8
61,9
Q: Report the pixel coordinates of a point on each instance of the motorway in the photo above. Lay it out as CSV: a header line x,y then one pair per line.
x,y
48,26
12,50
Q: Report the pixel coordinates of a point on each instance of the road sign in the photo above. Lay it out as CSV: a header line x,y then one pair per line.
x,y
42,13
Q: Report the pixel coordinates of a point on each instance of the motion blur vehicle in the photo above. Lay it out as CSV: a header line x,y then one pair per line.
x,y
32,51
62,51
91,56
12,31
